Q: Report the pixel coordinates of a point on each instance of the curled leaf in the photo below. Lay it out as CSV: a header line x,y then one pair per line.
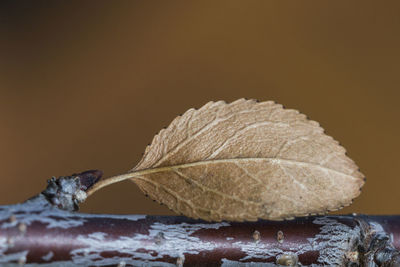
x,y
246,160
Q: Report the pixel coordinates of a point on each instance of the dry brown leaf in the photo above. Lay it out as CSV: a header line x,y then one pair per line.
x,y
246,160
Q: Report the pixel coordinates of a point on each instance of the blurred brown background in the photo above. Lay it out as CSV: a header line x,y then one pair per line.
x,y
86,85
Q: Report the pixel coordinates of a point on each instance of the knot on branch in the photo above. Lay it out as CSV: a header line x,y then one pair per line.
x,y
67,192
377,245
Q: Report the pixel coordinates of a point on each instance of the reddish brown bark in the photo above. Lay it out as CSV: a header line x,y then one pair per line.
x,y
38,231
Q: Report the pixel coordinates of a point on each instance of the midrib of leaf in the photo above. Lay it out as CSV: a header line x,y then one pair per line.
x,y
208,126
134,174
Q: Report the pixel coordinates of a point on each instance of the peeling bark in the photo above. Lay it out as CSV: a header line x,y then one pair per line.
x,y
41,232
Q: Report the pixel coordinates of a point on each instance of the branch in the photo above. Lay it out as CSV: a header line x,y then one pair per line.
x,y
46,230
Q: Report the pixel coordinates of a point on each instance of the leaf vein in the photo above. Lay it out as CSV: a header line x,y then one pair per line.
x,y
203,187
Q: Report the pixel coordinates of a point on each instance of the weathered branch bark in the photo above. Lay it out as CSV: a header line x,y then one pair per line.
x,y
40,232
